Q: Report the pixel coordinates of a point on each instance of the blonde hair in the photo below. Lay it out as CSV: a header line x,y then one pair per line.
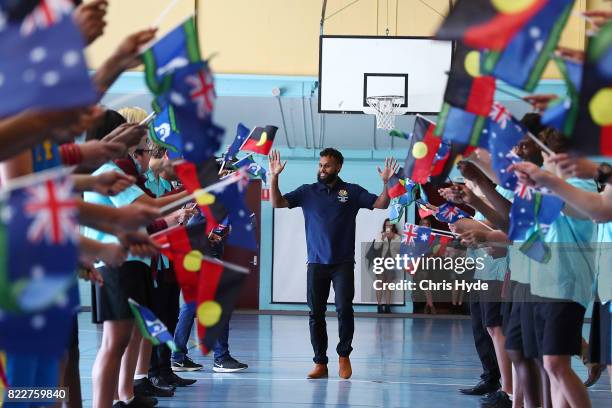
x,y
133,114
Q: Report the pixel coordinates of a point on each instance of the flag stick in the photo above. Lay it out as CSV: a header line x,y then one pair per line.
x,y
418,115
225,264
443,232
223,183
164,12
480,222
149,118
511,94
540,143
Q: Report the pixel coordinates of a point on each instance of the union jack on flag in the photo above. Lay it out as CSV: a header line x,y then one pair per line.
x,y
202,91
54,212
500,114
46,14
409,233
524,191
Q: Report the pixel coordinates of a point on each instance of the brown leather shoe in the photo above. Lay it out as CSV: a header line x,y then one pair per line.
x,y
345,371
319,371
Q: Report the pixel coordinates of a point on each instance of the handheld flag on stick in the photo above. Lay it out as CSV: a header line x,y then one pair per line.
x,y
422,151
450,213
175,50
487,24
251,167
242,134
531,209
523,60
260,140
593,131
164,132
218,291
467,88
38,214
151,327
505,132
37,67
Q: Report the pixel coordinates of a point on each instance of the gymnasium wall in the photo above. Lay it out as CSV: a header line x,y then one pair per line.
x,y
280,37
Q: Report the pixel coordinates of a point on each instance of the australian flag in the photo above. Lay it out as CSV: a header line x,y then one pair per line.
x,y
242,228
39,217
531,209
242,134
504,132
38,67
415,241
151,327
192,96
450,213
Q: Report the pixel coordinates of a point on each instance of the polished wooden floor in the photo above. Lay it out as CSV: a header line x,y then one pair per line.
x,y
397,362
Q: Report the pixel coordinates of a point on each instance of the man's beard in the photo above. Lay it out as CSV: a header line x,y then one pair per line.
x,y
329,179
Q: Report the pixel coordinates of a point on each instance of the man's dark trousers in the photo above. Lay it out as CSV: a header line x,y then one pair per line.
x,y
319,278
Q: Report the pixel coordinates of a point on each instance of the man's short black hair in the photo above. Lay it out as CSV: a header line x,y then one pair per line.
x,y
331,152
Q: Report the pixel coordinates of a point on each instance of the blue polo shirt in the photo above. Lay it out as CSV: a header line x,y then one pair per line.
x,y
329,218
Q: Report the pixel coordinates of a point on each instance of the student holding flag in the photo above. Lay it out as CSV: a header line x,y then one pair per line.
x,y
330,207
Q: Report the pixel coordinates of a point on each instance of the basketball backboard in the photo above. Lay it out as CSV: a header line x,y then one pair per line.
x,y
353,68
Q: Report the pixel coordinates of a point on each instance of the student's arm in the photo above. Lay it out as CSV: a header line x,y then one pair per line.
x,y
115,220
501,215
589,204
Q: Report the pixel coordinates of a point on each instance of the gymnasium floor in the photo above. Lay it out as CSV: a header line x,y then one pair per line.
x,y
414,362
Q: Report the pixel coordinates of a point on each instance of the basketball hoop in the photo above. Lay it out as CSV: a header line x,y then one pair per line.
x,y
385,108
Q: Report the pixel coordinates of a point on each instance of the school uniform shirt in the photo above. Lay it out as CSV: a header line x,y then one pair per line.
x,y
604,262
570,272
126,197
494,268
329,218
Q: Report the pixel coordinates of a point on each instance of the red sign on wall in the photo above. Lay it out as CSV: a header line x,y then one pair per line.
x,y
265,194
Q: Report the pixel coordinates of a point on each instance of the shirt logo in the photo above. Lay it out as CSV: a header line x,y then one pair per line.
x,y
343,196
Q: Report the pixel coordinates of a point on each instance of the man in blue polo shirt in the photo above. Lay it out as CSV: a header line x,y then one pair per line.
x,y
330,207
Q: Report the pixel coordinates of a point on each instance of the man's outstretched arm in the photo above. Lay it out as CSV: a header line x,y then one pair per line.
x,y
276,167
391,167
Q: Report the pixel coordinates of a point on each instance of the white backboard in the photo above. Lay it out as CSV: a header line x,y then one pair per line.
x,y
352,68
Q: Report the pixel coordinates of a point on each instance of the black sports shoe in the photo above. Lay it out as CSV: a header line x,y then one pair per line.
x,y
161,382
497,399
229,365
186,365
143,387
177,381
137,402
380,309
483,387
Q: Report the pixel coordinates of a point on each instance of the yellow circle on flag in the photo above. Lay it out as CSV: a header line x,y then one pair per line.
x,y
472,64
263,139
512,6
204,198
600,107
193,261
419,150
209,313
